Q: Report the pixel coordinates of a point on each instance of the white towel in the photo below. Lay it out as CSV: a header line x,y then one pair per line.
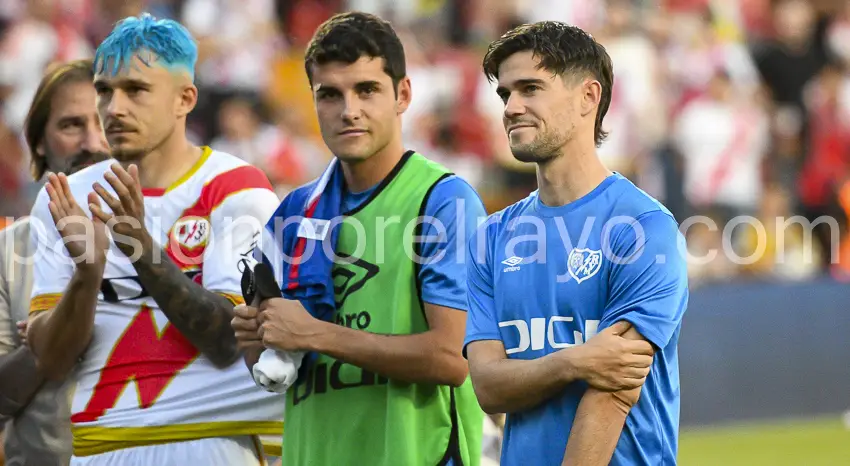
x,y
276,371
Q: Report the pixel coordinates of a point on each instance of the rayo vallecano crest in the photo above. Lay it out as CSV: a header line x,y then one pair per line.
x,y
191,232
584,263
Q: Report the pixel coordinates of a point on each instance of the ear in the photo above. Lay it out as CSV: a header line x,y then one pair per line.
x,y
403,95
591,93
186,100
39,149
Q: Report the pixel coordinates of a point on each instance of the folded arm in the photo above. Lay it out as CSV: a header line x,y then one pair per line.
x,y
599,422
608,361
508,385
505,385
651,295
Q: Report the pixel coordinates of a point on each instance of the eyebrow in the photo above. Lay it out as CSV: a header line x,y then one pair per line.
x,y
70,119
370,83
522,82
324,88
121,82
358,85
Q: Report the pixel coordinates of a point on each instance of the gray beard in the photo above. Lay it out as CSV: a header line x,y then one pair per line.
x,y
74,163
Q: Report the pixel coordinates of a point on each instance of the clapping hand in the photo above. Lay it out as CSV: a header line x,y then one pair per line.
x,y
86,239
128,210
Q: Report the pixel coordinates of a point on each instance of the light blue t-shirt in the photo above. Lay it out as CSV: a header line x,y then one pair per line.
x,y
546,278
459,209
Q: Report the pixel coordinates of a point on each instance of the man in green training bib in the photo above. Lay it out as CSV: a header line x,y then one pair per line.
x,y
390,385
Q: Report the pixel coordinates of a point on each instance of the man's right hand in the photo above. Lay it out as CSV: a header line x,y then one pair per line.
x,y
247,328
85,239
610,362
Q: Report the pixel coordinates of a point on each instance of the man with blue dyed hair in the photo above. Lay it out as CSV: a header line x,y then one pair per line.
x,y
133,295
576,293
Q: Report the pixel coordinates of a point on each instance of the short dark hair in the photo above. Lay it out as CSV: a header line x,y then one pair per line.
x,y
561,49
347,37
35,124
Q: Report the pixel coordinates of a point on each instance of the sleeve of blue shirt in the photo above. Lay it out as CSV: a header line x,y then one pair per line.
x,y
481,320
457,210
649,281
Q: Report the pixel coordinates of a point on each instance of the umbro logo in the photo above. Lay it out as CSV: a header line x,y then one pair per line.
x,y
512,264
512,261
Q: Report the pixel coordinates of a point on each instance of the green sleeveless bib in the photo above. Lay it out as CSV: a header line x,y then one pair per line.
x,y
342,415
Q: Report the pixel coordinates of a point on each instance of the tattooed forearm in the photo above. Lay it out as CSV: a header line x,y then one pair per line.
x,y
202,316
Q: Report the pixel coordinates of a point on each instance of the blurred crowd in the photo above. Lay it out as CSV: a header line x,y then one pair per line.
x,y
725,110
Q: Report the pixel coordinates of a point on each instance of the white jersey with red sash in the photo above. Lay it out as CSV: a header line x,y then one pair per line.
x,y
141,382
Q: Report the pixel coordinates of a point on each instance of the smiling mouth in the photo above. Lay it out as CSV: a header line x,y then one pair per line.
x,y
516,127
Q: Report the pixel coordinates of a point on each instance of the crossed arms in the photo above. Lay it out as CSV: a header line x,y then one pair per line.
x,y
614,363
611,361
645,294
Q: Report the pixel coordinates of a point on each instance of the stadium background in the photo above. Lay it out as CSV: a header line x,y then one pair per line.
x,y
721,108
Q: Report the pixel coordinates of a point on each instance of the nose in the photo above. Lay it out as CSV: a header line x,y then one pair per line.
x,y
95,139
353,109
514,107
117,106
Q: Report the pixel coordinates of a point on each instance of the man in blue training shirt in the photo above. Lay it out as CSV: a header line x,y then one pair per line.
x,y
390,379
577,291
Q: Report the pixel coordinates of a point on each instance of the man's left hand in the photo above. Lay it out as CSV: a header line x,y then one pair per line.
x,y
128,210
286,325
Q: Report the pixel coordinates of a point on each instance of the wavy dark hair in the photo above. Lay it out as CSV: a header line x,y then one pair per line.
x,y
565,50
39,112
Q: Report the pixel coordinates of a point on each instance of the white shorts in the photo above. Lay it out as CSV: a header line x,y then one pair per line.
x,y
220,451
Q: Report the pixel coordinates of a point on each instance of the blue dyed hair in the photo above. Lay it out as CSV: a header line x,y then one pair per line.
x,y
170,43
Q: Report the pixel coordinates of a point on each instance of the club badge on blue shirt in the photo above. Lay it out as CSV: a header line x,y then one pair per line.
x,y
584,263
